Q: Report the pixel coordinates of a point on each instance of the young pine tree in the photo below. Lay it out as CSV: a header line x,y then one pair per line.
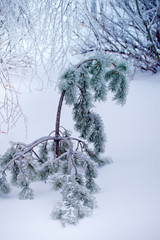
x,y
70,164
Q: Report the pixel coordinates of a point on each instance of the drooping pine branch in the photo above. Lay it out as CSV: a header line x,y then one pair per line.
x,y
88,82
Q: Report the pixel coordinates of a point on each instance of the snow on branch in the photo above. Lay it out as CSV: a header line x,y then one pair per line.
x,y
123,29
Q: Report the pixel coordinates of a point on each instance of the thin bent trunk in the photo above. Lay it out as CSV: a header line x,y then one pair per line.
x,y
58,122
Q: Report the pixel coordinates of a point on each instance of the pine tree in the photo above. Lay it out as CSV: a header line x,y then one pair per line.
x,y
70,164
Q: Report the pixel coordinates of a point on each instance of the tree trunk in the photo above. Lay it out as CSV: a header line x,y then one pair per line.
x,y
58,122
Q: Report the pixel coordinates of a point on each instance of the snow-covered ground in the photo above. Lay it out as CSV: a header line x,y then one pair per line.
x,y
129,201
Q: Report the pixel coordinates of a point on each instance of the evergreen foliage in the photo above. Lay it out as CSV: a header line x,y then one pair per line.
x,y
43,152
4,186
24,184
7,157
92,80
77,202
70,164
15,171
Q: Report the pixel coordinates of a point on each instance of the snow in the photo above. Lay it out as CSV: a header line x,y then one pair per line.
x,y
129,201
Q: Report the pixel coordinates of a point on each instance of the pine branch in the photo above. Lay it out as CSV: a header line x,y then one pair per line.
x,y
29,148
